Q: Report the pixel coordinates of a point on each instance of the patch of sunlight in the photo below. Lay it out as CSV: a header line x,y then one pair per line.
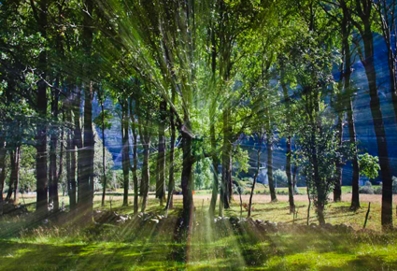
x,y
208,264
23,251
387,252
308,261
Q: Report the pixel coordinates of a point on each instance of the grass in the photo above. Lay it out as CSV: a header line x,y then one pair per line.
x,y
147,245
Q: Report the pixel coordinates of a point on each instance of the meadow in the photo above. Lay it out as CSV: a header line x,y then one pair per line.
x,y
272,240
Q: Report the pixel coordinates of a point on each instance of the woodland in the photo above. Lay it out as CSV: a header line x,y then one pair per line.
x,y
198,134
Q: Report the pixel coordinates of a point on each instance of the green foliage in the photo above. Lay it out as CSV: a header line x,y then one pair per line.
x,y
241,159
103,120
369,165
203,175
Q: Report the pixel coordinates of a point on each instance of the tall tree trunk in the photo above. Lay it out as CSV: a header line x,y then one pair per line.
x,y
215,163
145,138
258,164
321,194
269,145
160,180
86,181
346,28
12,176
3,154
41,136
171,179
339,166
125,150
226,160
86,189
212,112
289,177
135,162
134,156
369,66
71,152
53,177
104,177
187,181
288,153
77,155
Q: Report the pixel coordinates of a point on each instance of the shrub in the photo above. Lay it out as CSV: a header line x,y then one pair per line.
x,y
378,191
394,185
366,190
368,183
280,177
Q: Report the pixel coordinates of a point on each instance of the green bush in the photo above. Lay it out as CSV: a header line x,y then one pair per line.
x,y
378,191
280,177
366,190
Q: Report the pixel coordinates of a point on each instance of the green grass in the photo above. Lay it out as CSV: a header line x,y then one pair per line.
x,y
146,245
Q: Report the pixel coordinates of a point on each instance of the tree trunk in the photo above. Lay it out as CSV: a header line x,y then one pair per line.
x,y
134,158
53,177
258,164
269,145
160,180
226,160
346,32
126,150
135,162
145,168
77,154
355,203
369,66
41,156
338,180
289,177
85,202
86,181
104,177
41,137
171,179
69,166
14,178
3,154
187,181
288,150
215,163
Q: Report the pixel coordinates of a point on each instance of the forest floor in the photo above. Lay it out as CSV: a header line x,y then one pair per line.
x,y
153,242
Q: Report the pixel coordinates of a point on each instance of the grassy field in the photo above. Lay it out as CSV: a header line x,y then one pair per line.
x,y
155,244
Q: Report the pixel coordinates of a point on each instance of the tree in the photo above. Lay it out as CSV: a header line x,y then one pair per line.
x,y
318,148
160,178
388,23
102,121
363,22
261,137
